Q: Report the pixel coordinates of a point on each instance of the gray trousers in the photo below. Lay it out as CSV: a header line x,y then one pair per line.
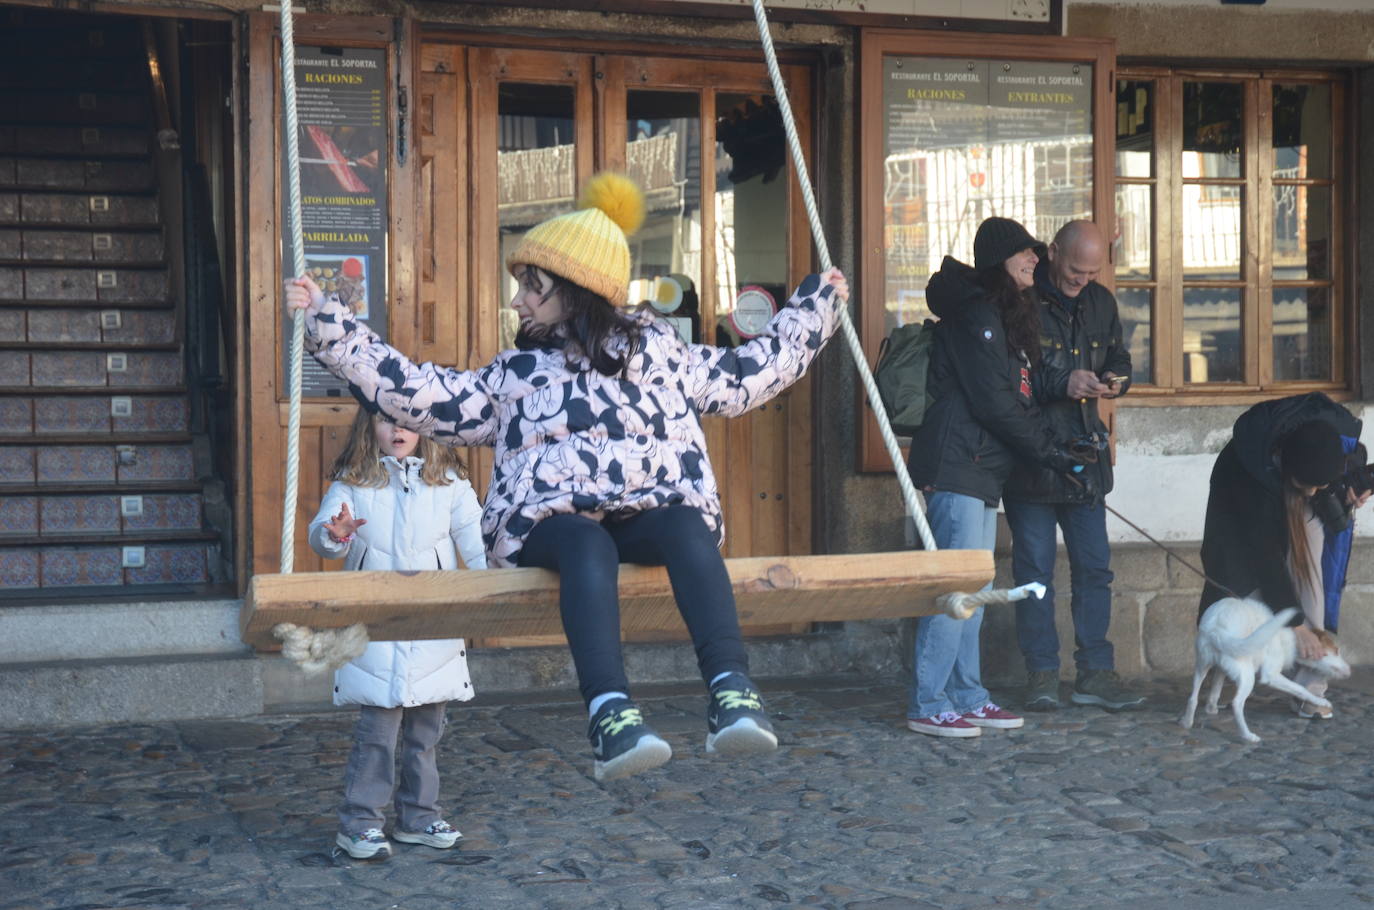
x,y
370,778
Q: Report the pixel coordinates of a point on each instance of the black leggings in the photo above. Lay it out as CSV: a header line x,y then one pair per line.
x,y
587,555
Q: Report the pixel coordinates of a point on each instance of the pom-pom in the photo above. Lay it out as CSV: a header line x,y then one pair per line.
x,y
616,195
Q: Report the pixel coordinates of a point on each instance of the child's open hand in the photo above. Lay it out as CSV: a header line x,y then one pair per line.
x,y
835,278
303,294
342,526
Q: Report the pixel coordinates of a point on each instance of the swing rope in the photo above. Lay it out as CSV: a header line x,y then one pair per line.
x,y
959,605
293,183
894,451
313,651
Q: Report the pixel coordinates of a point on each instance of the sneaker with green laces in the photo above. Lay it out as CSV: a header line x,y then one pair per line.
x,y
1042,690
1105,689
736,722
622,743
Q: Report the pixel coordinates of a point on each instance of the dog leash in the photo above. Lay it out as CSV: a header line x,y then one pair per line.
x,y
1146,534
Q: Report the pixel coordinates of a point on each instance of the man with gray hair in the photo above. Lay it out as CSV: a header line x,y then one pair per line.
x,y
1083,359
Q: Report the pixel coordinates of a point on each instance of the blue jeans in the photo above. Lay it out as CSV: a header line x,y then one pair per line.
x,y
1033,552
948,674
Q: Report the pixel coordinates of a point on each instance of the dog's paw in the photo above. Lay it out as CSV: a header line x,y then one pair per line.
x,y
1318,701
1213,707
1186,722
1250,738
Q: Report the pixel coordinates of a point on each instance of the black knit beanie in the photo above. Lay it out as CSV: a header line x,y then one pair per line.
x,y
1311,454
997,240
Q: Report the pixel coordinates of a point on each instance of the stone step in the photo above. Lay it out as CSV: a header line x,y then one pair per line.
x,y
45,246
65,209
49,516
92,175
78,326
67,107
75,141
109,565
89,369
72,693
88,286
24,416
95,464
112,74
28,37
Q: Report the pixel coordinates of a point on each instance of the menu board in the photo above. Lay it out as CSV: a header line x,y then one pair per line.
x,y
934,102
966,139
342,136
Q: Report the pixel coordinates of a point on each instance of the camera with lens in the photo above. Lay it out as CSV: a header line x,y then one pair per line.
x,y
1330,503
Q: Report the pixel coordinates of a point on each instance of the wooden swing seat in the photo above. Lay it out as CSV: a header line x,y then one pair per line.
x,y
398,606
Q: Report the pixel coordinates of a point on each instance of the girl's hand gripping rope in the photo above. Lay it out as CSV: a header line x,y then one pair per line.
x,y
303,294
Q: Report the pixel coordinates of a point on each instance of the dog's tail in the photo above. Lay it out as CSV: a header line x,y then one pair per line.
x,y
1256,640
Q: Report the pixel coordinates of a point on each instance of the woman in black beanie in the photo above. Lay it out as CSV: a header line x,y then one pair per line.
x,y
982,420
1262,536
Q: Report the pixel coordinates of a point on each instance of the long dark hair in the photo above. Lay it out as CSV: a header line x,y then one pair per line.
x,y
1020,310
590,323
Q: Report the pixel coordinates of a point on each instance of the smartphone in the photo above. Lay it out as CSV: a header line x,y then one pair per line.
x,y
1115,380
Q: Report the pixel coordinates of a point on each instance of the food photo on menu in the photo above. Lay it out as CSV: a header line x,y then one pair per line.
x,y
342,275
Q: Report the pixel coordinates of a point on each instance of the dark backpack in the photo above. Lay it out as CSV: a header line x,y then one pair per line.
x,y
902,372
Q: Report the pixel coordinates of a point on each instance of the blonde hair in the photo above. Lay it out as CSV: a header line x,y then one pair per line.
x,y
1295,508
360,462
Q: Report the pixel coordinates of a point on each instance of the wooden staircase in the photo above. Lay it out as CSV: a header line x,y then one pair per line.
x,y
101,478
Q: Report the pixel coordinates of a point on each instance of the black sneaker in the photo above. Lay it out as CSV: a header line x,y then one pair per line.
x,y
1104,689
736,722
1042,690
622,743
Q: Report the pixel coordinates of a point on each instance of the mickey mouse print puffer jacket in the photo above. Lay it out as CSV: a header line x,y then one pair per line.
x,y
569,439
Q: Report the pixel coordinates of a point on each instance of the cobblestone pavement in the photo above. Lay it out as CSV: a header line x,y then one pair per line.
x,y
1081,809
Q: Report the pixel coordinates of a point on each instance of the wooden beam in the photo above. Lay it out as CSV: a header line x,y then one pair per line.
x,y
506,602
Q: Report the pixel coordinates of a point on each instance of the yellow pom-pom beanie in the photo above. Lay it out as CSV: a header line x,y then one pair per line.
x,y
588,246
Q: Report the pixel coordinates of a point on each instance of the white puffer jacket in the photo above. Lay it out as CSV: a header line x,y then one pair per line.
x,y
410,525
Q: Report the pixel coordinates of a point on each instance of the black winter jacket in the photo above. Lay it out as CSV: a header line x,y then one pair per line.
x,y
1088,338
1245,538
984,417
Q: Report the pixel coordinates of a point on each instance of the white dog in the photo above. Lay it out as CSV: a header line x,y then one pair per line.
x,y
1244,640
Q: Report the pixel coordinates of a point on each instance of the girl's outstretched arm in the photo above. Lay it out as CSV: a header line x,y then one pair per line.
x,y
455,407
465,526
336,498
730,381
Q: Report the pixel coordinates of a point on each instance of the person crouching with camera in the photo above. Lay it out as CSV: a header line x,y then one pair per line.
x,y
1279,516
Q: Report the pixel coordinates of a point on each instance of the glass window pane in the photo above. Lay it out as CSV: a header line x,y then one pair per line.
x,y
1211,335
1302,333
1211,232
1135,141
536,171
1213,136
750,205
663,154
1302,233
1135,307
969,139
1302,131
1135,232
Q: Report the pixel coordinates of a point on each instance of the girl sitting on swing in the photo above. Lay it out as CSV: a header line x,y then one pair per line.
x,y
600,457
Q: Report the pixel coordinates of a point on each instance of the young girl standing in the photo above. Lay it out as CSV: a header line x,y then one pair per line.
x,y
398,502
600,457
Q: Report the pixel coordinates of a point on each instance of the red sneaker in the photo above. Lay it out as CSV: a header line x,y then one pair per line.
x,y
991,715
947,724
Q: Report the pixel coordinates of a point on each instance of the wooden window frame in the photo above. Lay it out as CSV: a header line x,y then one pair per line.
x,y
1256,274
874,45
